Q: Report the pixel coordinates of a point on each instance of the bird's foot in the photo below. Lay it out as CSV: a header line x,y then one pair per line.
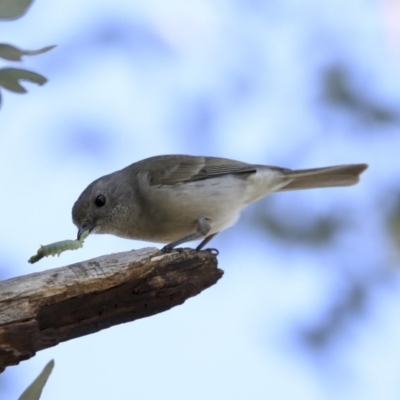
x,y
168,249
213,251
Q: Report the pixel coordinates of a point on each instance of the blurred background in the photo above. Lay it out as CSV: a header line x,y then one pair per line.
x,y
308,307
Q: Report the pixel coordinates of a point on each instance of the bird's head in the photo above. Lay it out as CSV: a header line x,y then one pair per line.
x,y
100,206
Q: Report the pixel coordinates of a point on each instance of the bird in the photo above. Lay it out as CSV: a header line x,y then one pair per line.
x,y
174,199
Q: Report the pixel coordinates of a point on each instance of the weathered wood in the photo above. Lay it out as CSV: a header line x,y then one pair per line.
x,y
40,310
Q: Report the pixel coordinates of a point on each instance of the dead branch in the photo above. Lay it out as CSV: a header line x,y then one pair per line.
x,y
41,310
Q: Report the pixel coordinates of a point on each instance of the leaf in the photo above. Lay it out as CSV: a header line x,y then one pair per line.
x,y
10,77
393,219
34,390
12,53
12,9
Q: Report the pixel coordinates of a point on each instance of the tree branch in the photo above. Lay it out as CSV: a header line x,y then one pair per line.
x,y
40,310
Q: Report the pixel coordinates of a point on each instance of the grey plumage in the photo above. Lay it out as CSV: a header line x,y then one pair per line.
x,y
176,198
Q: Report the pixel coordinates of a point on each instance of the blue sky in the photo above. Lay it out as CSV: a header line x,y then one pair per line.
x,y
243,80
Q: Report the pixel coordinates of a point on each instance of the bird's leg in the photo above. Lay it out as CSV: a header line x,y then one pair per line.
x,y
203,227
205,241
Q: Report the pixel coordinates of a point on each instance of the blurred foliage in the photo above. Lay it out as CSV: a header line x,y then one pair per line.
x,y
393,220
318,231
339,92
12,9
298,226
10,77
350,304
12,53
34,390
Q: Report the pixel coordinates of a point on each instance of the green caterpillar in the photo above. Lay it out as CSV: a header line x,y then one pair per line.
x,y
58,248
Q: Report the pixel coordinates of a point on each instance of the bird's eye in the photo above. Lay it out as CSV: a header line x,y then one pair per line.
x,y
100,200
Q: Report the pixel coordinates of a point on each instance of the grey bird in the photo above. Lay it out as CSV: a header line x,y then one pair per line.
x,y
175,199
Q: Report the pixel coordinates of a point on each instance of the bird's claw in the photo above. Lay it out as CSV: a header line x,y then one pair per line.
x,y
168,249
213,251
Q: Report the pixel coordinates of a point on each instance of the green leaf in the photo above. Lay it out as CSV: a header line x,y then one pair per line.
x,y
10,77
34,390
12,53
12,9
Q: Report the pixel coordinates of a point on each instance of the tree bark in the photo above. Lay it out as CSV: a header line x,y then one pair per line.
x,y
42,309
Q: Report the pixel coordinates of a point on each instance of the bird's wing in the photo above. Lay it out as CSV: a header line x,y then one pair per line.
x,y
214,167
174,170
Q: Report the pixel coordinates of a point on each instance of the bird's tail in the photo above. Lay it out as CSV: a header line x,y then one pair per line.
x,y
340,175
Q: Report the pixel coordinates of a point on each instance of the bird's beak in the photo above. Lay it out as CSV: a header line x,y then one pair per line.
x,y
83,230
